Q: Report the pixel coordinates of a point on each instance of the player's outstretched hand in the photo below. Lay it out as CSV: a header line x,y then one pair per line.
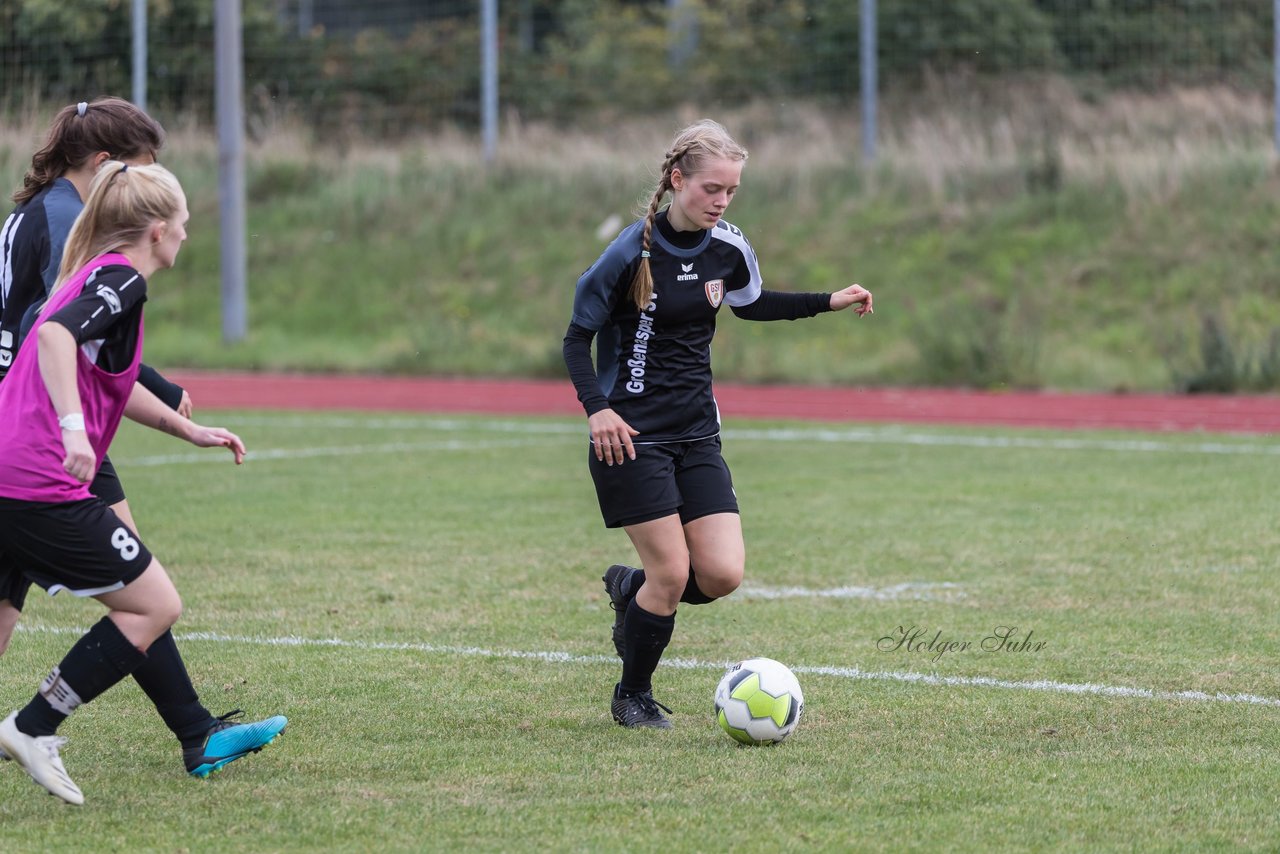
x,y
80,461
217,437
611,437
854,295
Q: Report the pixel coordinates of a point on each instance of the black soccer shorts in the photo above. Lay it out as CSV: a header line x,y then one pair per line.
x,y
79,546
689,478
106,484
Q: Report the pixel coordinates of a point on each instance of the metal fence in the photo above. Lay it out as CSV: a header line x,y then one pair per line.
x,y
400,66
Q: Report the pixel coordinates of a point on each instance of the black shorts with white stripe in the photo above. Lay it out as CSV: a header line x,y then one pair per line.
x,y
79,546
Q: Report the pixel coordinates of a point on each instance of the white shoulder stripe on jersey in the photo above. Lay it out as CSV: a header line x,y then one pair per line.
x,y
6,262
732,235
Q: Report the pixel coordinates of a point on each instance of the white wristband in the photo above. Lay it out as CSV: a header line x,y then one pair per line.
x,y
74,421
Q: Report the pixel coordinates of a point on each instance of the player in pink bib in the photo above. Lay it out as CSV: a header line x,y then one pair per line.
x,y
71,382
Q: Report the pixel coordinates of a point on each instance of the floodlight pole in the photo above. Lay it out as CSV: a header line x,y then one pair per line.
x,y
306,18
229,109
867,55
489,78
140,53
682,34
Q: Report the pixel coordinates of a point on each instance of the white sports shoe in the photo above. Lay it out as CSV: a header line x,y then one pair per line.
x,y
38,756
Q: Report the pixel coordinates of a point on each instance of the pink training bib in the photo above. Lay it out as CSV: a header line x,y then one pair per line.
x,y
31,450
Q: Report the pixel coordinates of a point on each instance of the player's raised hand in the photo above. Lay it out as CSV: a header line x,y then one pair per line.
x,y
217,437
854,295
611,437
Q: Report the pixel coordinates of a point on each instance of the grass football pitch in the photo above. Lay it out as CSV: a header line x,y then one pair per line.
x,y
1007,640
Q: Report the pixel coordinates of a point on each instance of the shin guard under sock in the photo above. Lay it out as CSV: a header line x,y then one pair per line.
x,y
647,637
100,659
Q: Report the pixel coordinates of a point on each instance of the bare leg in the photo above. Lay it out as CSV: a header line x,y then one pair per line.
x,y
145,608
716,552
664,555
8,620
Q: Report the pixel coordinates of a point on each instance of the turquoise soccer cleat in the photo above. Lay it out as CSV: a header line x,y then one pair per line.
x,y
228,741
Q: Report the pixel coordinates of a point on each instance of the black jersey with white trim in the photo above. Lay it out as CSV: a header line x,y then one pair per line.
x,y
31,240
654,366
106,318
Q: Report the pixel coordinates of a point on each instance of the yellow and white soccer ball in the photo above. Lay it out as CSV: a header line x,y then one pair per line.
x,y
758,701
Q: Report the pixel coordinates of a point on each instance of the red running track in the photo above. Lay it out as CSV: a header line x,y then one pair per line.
x,y
1210,413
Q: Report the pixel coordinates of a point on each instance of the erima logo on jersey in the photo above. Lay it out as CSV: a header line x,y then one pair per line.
x,y
687,275
110,297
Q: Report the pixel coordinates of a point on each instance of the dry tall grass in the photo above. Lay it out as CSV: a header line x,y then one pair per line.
x,y
941,140
1146,143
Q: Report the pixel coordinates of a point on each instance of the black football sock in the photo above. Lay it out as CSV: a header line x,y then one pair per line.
x,y
164,679
100,659
692,595
647,636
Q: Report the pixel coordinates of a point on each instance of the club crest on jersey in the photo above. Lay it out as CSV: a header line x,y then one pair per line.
x,y
715,292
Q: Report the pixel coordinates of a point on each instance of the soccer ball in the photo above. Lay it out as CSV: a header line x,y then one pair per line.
x,y
758,701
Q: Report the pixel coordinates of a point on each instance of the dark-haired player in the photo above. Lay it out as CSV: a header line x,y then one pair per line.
x,y
650,302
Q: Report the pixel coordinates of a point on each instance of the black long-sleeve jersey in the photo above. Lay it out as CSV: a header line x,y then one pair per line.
x,y
653,366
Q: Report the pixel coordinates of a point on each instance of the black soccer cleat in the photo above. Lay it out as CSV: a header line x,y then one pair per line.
x,y
638,710
614,578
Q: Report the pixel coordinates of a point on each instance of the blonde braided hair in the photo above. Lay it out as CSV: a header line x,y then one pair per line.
x,y
690,151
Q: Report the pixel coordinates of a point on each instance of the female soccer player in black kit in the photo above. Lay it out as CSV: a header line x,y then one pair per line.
x,y
650,301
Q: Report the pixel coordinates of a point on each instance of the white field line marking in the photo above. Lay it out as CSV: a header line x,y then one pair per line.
x,y
888,436
553,657
918,590
1003,442
412,422
336,451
